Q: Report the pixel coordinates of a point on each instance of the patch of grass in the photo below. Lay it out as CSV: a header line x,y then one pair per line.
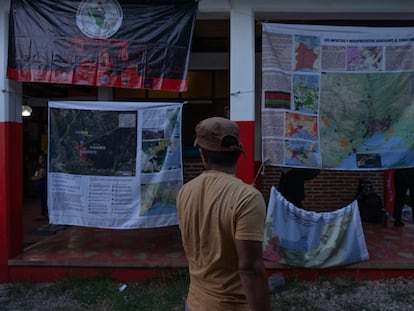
x,y
20,287
294,283
88,290
402,295
299,303
167,292
345,285
296,300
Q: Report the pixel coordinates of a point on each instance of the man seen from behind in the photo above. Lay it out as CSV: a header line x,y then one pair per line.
x,y
222,226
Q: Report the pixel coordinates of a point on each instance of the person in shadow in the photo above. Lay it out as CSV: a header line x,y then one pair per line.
x,y
40,183
403,181
292,183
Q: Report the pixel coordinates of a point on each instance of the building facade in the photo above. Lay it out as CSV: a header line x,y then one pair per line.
x,y
238,62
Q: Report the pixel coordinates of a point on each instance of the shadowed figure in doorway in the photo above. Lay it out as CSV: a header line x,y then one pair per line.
x,y
292,183
403,181
39,179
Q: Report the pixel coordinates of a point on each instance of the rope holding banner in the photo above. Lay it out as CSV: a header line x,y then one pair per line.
x,y
260,171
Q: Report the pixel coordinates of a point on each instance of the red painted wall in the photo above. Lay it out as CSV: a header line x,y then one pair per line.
x,y
246,165
11,195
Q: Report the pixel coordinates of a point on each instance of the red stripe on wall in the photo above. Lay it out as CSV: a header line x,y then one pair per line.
x,y
246,165
11,195
389,193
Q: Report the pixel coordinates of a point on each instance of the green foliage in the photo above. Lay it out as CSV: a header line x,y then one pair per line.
x,y
20,287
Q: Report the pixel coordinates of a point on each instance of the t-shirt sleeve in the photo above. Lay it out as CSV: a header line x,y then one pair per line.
x,y
250,219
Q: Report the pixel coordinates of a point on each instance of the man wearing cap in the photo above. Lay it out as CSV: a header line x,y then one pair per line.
x,y
222,222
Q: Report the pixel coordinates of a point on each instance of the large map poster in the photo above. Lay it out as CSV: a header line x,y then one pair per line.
x,y
114,164
338,97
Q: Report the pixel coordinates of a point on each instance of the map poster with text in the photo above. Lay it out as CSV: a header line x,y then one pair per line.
x,y
338,97
115,165
301,238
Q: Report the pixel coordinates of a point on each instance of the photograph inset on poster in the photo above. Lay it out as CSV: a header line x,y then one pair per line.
x,y
159,198
160,141
93,142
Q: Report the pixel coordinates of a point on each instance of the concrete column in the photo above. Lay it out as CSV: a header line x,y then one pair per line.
x,y
242,62
242,82
11,154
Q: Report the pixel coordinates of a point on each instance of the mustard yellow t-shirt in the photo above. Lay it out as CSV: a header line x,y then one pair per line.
x,y
214,209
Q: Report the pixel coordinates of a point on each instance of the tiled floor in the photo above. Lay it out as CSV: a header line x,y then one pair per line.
x,y
389,248
36,228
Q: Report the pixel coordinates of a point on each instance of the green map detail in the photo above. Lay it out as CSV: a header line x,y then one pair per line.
x,y
306,98
356,108
98,14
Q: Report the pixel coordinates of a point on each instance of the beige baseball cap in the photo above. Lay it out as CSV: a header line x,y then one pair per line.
x,y
211,134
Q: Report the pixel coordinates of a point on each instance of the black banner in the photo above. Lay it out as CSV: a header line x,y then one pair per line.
x,y
113,43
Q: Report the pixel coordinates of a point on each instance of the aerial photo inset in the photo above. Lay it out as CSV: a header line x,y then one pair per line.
x,y
161,140
159,198
93,142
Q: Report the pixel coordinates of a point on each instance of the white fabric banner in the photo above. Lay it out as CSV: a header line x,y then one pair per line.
x,y
309,239
114,164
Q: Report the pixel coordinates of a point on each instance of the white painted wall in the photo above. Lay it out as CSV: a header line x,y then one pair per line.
x,y
395,9
242,63
10,91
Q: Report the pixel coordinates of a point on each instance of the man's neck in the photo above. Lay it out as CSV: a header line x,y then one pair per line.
x,y
225,169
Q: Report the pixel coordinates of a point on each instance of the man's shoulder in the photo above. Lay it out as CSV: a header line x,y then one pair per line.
x,y
222,179
193,183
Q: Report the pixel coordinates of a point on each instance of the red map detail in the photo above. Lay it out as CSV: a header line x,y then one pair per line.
x,y
305,58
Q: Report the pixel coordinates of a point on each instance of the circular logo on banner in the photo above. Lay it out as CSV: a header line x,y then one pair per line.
x,y
99,19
